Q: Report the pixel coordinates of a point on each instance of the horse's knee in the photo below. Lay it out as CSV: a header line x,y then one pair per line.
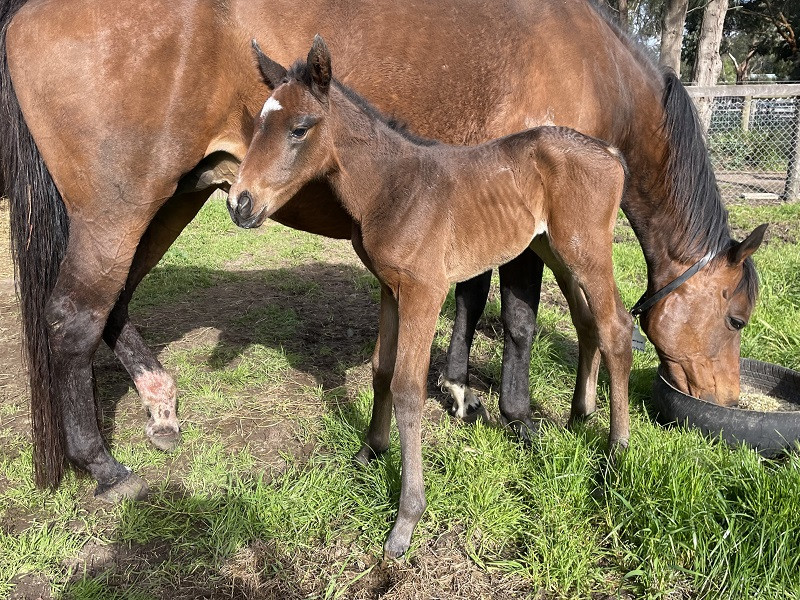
x,y
519,331
617,341
381,378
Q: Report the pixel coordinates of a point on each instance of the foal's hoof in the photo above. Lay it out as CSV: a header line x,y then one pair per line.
x,y
616,449
525,429
578,420
132,487
164,438
395,547
366,455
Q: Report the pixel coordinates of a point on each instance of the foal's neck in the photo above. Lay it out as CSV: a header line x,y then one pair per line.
x,y
372,157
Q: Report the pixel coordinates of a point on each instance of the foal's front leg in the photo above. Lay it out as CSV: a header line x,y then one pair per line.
x,y
418,308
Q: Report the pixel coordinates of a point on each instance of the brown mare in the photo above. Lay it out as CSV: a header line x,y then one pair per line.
x,y
115,135
426,215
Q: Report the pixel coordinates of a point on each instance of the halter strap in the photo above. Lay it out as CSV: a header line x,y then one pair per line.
x,y
646,303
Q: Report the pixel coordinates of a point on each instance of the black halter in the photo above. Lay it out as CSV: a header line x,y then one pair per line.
x,y
646,303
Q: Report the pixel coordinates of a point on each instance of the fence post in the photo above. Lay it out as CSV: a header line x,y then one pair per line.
x,y
791,191
746,108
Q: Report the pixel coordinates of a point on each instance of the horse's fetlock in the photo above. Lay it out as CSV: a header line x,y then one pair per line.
x,y
412,508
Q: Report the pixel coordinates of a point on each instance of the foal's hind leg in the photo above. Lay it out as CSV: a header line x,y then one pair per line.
x,y
377,438
92,274
156,387
520,286
603,327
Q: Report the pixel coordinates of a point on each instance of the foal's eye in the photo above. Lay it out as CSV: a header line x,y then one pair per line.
x,y
298,133
735,323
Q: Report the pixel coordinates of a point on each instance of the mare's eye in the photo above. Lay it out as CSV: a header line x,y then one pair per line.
x,y
735,323
298,133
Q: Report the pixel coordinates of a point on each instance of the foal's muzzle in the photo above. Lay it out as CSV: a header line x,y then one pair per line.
x,y
240,208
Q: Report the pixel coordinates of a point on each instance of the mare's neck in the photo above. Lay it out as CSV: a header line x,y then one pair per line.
x,y
672,201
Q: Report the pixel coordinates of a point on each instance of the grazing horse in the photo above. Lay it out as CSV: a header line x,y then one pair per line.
x,y
113,139
426,215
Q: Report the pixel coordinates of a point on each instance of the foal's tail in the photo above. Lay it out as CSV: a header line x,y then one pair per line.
x,y
39,232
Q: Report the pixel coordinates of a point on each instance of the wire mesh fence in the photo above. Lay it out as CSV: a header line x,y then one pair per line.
x,y
753,139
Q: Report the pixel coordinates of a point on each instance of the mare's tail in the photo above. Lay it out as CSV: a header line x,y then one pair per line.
x,y
39,232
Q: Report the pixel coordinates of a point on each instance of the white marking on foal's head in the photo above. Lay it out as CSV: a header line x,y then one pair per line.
x,y
270,105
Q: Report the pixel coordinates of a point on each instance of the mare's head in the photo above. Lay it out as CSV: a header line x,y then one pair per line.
x,y
696,328
291,145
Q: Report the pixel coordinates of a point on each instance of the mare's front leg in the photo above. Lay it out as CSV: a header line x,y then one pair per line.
x,y
418,308
156,387
471,298
520,287
383,360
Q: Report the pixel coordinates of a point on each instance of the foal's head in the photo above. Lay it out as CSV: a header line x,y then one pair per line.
x,y
292,143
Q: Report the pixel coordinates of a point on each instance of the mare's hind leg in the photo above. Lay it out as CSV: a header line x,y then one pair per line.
x,y
520,286
377,438
471,298
156,387
92,274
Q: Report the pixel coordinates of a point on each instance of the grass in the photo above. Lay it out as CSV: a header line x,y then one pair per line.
x,y
269,334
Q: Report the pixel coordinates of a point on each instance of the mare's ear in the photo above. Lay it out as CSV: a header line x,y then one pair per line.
x,y
319,65
271,72
739,252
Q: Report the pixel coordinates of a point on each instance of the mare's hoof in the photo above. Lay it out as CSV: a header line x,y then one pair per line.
x,y
466,405
525,430
132,487
166,438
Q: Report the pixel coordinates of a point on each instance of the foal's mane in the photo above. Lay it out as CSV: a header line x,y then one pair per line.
x,y
693,201
299,71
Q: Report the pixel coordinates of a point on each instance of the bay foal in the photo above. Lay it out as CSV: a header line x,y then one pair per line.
x,y
426,215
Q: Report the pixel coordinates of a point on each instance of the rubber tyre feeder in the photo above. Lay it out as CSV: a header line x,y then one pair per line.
x,y
769,433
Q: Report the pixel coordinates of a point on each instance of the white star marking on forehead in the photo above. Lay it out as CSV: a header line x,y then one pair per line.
x,y
270,105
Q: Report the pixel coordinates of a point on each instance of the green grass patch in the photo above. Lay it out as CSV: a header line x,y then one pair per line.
x,y
677,516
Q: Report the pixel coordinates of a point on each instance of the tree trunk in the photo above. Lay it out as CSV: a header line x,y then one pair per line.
x,y
708,63
622,7
672,22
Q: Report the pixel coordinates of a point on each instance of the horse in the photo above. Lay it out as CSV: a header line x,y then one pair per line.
x,y
414,203
114,138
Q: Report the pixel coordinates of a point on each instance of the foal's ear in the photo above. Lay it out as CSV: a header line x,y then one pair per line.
x,y
738,253
319,65
271,72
